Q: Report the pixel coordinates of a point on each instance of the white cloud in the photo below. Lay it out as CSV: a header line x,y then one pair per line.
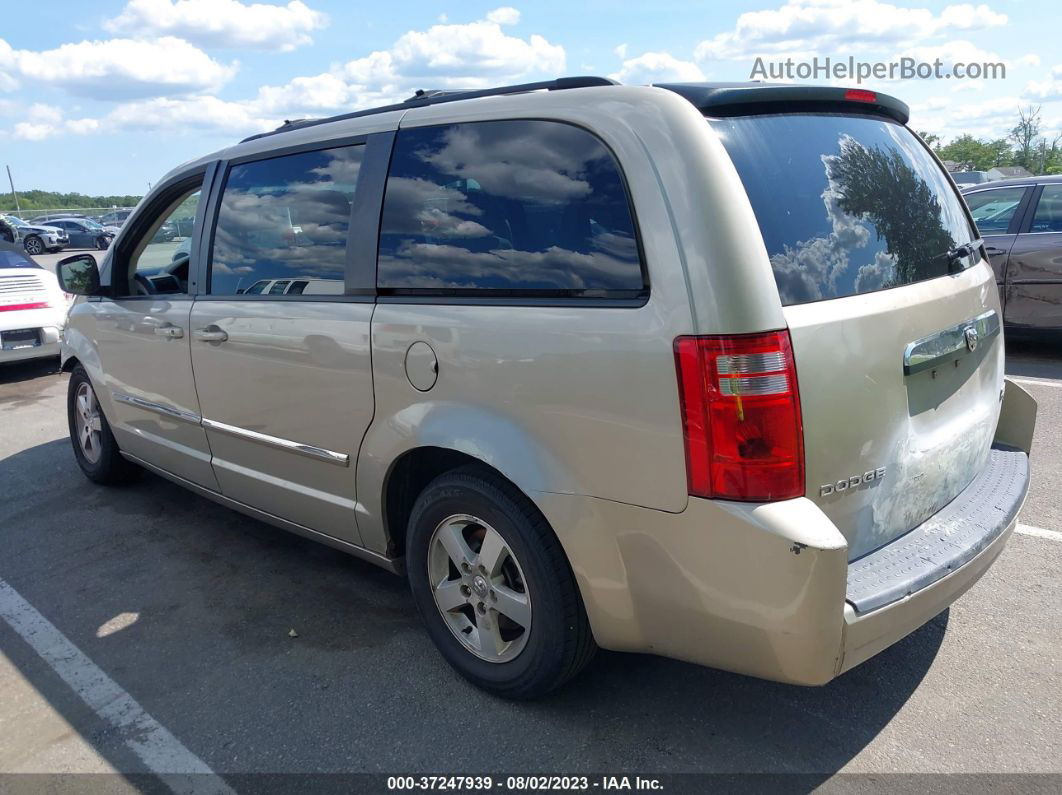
x,y
828,26
621,51
952,52
8,66
1029,59
222,23
47,121
472,55
657,67
985,118
504,16
1046,90
469,55
203,112
120,68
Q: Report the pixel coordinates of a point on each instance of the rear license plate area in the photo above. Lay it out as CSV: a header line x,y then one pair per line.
x,y
17,339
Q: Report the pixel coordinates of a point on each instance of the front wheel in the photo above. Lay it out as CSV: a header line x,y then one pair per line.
x,y
95,449
101,243
494,587
34,245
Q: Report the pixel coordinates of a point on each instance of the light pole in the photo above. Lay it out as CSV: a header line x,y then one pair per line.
x,y
18,209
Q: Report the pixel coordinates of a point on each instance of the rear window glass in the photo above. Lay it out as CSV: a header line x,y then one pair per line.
x,y
846,204
515,207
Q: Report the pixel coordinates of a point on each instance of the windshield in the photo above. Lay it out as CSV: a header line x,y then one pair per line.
x,y
90,223
15,221
846,204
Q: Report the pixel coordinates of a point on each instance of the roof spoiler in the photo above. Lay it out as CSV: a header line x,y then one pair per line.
x,y
741,99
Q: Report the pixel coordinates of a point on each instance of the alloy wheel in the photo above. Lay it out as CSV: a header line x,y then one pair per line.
x,y
479,588
88,423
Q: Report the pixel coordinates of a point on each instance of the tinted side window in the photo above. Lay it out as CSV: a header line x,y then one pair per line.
x,y
285,217
522,207
993,210
1048,215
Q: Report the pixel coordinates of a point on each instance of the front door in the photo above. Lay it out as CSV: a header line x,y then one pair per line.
x,y
1034,279
143,340
283,375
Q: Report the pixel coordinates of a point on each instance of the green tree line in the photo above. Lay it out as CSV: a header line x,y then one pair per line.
x,y
1025,145
50,200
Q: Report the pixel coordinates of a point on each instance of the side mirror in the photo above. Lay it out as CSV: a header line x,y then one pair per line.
x,y
79,275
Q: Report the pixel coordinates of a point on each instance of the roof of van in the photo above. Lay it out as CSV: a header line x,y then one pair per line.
x,y
715,98
711,99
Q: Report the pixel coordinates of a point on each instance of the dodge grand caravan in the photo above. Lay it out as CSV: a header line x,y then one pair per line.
x,y
707,371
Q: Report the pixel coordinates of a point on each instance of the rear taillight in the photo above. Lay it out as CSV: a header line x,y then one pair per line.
x,y
16,307
741,416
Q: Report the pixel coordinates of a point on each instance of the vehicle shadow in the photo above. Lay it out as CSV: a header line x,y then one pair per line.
x,y
17,372
1034,357
210,599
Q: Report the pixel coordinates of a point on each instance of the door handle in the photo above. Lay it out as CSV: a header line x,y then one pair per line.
x,y
210,334
169,330
994,250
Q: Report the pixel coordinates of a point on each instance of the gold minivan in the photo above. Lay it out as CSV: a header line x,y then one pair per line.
x,y
711,371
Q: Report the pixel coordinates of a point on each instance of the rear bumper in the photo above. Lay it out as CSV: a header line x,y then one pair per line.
x,y
49,336
764,589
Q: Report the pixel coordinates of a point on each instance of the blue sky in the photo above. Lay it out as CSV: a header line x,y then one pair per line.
x,y
106,97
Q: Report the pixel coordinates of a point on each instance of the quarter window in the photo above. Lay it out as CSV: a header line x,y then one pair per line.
x,y
507,207
993,210
285,217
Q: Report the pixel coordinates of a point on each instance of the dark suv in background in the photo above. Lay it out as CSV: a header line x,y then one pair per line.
x,y
1021,223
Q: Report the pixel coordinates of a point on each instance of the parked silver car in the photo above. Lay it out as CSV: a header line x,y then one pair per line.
x,y
38,238
707,371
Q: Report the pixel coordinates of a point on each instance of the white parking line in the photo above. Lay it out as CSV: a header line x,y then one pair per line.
x,y
1039,532
1037,382
162,753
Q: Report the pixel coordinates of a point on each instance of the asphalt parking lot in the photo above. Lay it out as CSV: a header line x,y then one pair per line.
x,y
186,608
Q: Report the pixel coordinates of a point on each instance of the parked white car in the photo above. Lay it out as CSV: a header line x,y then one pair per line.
x,y
32,308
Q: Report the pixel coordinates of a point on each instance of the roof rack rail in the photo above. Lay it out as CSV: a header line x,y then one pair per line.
x,y
436,97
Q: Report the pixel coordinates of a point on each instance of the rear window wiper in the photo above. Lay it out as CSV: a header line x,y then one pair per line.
x,y
954,255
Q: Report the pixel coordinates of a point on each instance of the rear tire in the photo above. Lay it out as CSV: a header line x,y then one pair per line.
x,y
94,446
493,586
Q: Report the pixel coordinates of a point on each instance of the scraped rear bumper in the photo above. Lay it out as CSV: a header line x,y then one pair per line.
x,y
768,590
